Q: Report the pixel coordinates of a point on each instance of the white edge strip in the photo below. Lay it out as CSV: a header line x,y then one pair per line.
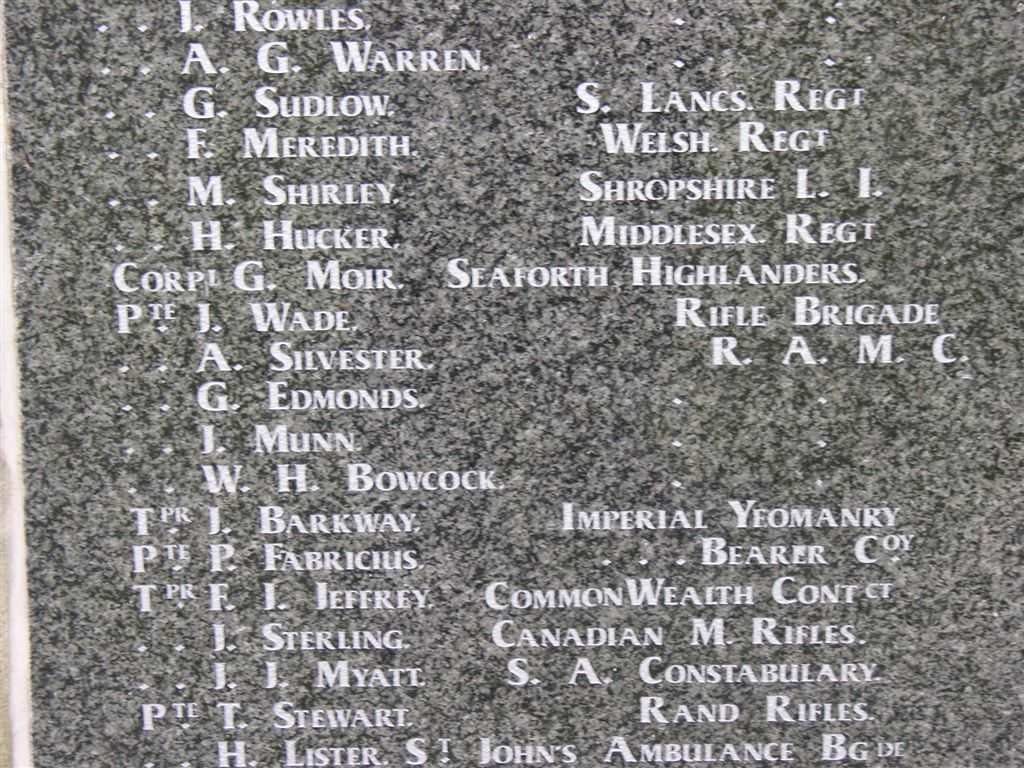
x,y
19,680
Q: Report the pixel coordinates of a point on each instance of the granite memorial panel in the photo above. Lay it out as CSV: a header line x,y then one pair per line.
x,y
520,383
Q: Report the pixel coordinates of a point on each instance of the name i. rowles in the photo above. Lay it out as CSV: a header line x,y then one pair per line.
x,y
629,519
279,191
251,16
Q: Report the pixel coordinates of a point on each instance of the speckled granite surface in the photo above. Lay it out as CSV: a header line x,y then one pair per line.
x,y
593,396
